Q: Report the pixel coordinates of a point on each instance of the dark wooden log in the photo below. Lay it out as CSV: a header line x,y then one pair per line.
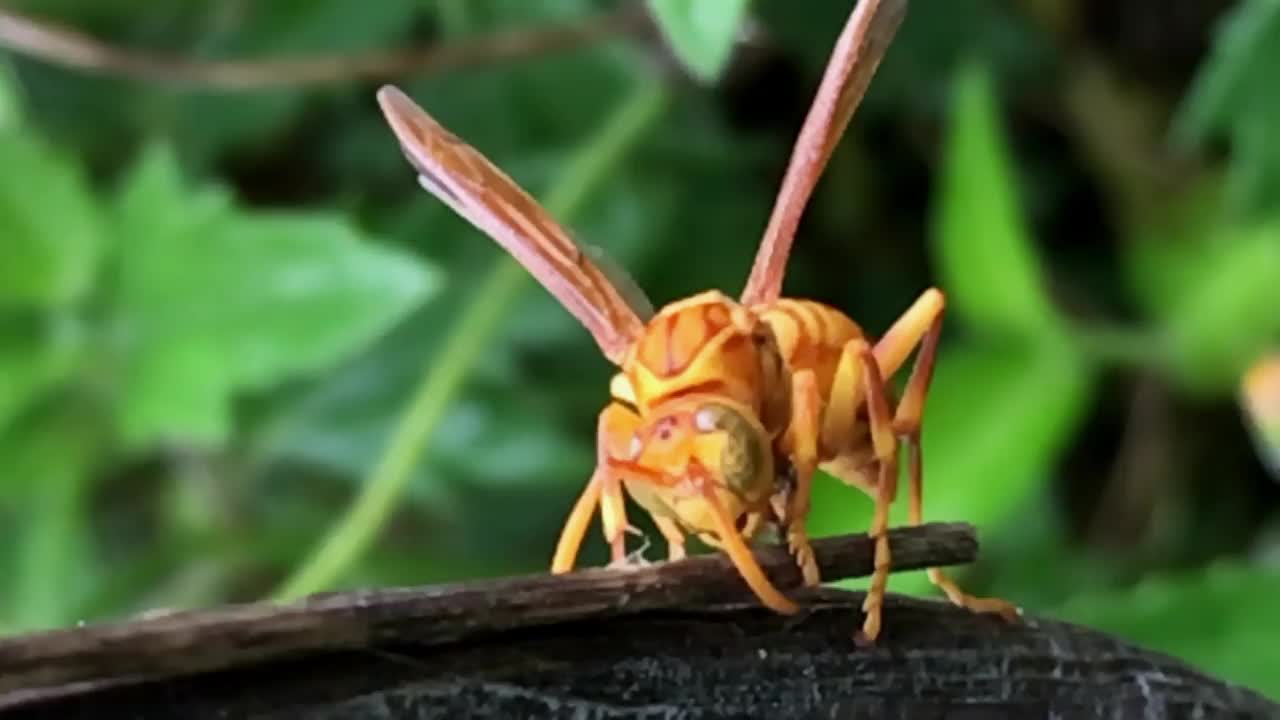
x,y
671,640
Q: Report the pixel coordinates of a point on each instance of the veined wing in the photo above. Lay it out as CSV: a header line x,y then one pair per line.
x,y
858,51
627,287
466,181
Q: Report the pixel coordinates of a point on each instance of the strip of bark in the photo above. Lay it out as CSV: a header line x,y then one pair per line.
x,y
161,645
672,640
726,660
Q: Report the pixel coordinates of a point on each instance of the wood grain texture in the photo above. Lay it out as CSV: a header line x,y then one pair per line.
x,y
681,640
729,660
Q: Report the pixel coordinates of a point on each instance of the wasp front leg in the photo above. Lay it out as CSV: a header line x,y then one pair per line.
x,y
729,540
923,324
614,430
752,525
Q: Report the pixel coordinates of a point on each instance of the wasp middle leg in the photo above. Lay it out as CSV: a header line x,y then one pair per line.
x,y
803,439
873,469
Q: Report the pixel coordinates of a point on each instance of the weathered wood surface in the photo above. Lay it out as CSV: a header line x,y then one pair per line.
x,y
673,640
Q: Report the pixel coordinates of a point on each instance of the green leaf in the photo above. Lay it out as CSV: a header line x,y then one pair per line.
x,y
490,440
175,393
983,245
995,421
33,360
700,33
1240,63
1168,247
1222,620
1206,280
11,100
345,423
1233,94
935,39
211,299
1033,557
49,230
46,464
1227,317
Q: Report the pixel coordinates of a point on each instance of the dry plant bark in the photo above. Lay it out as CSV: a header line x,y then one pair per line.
x,y
671,640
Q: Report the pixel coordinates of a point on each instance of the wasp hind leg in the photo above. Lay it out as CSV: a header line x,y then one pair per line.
x,y
907,424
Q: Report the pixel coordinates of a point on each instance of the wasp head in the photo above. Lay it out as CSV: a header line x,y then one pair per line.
x,y
695,447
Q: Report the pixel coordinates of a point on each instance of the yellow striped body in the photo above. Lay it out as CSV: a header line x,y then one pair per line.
x,y
708,348
708,343
810,336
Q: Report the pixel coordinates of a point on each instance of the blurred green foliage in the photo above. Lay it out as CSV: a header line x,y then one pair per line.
x,y
701,34
1234,95
242,353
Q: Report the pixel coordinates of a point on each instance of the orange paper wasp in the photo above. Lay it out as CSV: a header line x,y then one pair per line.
x,y
723,410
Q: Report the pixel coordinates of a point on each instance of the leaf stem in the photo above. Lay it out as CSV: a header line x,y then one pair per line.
x,y
355,532
59,45
1123,347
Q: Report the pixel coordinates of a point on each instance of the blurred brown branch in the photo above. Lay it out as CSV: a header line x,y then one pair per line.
x,y
64,46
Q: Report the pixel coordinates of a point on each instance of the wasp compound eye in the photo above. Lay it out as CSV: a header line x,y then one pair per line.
x,y
743,457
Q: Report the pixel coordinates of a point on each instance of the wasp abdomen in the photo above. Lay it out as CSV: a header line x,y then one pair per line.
x,y
810,335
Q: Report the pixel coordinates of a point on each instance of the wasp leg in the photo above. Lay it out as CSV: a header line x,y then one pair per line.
x,y
635,558
752,526
614,430
886,453
907,423
755,521
711,541
858,379
806,418
674,536
730,541
912,328
575,528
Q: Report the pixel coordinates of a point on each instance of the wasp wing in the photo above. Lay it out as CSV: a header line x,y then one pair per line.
x,y
857,54
627,287
473,187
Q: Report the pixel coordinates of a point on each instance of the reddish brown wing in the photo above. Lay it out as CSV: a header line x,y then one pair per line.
x,y
463,179
857,54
